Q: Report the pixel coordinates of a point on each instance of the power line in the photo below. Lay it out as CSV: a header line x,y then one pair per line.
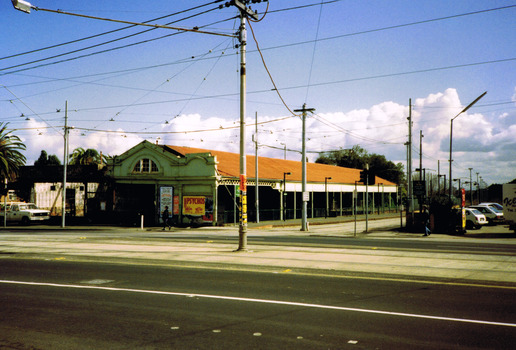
x,y
97,52
104,33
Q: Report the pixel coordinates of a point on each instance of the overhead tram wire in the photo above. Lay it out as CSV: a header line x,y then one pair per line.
x,y
318,84
348,132
104,33
103,51
36,114
298,43
313,52
163,83
269,73
356,33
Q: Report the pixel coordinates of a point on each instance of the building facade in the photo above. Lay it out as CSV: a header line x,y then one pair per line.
x,y
200,186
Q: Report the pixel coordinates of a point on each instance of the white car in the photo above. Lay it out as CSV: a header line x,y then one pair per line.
x,y
496,205
474,219
24,213
493,215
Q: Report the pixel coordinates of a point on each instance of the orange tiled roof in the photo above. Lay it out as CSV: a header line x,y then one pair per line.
x,y
273,168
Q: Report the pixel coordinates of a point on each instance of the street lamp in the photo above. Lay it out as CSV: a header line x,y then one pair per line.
x,y
284,150
283,212
21,5
326,191
451,136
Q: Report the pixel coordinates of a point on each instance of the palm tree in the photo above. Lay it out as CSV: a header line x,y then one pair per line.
x,y
80,156
11,158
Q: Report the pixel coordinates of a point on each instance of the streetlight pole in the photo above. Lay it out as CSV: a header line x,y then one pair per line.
x,y
304,226
65,158
283,194
326,191
470,188
451,136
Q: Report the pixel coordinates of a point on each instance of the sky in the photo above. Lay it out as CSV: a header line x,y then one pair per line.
x,y
359,64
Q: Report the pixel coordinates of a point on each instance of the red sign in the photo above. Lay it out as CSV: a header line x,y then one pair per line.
x,y
463,195
243,183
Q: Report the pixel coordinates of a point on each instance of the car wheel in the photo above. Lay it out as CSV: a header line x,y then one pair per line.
x,y
25,221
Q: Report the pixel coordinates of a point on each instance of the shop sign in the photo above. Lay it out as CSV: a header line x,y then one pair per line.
x,y
194,205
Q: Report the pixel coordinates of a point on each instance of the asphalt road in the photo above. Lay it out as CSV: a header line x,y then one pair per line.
x,y
54,304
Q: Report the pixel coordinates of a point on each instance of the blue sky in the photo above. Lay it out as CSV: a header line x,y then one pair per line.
x,y
356,62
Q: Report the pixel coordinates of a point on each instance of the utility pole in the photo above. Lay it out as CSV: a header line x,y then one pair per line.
x,y
63,211
409,165
421,197
304,225
439,177
242,37
470,188
256,189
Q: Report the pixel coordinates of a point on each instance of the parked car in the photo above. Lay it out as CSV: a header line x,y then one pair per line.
x,y
496,205
493,215
474,219
24,213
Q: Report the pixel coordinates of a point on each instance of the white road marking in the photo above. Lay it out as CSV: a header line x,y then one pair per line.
x,y
264,301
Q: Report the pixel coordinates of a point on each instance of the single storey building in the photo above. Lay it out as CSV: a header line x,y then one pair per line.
x,y
200,186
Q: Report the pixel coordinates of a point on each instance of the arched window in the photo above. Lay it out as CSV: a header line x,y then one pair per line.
x,y
145,165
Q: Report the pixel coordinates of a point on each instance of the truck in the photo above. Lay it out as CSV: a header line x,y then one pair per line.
x,y
509,205
23,213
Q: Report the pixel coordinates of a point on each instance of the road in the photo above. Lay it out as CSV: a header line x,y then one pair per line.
x,y
58,304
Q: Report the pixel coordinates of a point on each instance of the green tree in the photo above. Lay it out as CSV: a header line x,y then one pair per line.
x,y
357,158
45,159
80,156
11,158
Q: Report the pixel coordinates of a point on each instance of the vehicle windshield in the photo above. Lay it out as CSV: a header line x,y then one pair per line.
x,y
28,206
475,211
498,206
493,205
495,209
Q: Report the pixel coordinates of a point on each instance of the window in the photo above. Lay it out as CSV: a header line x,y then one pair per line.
x,y
145,165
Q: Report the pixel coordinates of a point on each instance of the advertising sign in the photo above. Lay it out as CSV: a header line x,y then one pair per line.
x,y
194,205
509,203
176,205
165,198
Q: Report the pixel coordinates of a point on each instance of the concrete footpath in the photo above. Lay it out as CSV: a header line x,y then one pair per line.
x,y
176,248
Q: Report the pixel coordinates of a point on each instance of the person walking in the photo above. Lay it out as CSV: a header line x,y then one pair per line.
x,y
165,217
426,221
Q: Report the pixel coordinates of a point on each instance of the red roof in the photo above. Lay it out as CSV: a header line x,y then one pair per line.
x,y
274,169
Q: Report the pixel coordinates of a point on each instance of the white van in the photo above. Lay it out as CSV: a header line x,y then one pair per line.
x,y
474,219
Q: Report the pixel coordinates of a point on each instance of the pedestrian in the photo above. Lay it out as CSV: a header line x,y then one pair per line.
x,y
165,217
426,221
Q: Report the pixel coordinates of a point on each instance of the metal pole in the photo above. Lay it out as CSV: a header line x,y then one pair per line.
x,y
450,161
5,200
470,188
451,133
63,210
242,228
409,161
367,198
355,200
304,226
257,202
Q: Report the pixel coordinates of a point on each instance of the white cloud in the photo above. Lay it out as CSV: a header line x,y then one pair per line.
x,y
483,142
